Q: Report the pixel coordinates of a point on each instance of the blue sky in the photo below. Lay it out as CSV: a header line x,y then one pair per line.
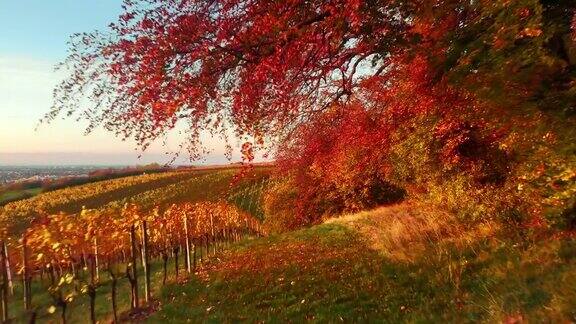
x,y
33,36
40,28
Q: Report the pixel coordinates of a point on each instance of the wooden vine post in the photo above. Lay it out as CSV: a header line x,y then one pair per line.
x,y
175,251
133,273
188,263
26,275
200,253
114,283
165,262
246,228
8,270
4,284
145,262
206,255
194,254
212,232
96,263
92,289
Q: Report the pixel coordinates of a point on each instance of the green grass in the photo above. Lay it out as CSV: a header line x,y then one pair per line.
x,y
13,195
328,274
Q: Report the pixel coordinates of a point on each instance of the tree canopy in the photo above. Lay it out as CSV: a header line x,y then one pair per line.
x,y
342,85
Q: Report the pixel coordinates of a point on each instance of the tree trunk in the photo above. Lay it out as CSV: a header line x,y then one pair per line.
x,y
133,288
83,259
74,272
51,274
61,302
200,253
60,271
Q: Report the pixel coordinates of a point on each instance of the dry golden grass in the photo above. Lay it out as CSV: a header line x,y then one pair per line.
x,y
401,232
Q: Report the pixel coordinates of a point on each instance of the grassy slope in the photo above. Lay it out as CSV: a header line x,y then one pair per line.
x,y
399,263
370,266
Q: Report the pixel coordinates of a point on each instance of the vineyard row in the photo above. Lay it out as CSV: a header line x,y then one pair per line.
x,y
69,253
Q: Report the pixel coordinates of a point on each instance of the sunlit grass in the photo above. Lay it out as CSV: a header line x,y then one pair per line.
x,y
331,273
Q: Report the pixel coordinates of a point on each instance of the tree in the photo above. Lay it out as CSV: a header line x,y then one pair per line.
x,y
263,67
260,66
273,71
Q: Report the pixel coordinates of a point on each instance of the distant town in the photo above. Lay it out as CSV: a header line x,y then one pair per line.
x,y
10,174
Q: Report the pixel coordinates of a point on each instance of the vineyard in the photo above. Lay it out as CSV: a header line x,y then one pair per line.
x,y
72,199
148,189
105,262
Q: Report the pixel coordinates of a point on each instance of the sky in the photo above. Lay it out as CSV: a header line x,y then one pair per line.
x,y
33,36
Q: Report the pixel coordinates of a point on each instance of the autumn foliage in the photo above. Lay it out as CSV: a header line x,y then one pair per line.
x,y
62,240
466,104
